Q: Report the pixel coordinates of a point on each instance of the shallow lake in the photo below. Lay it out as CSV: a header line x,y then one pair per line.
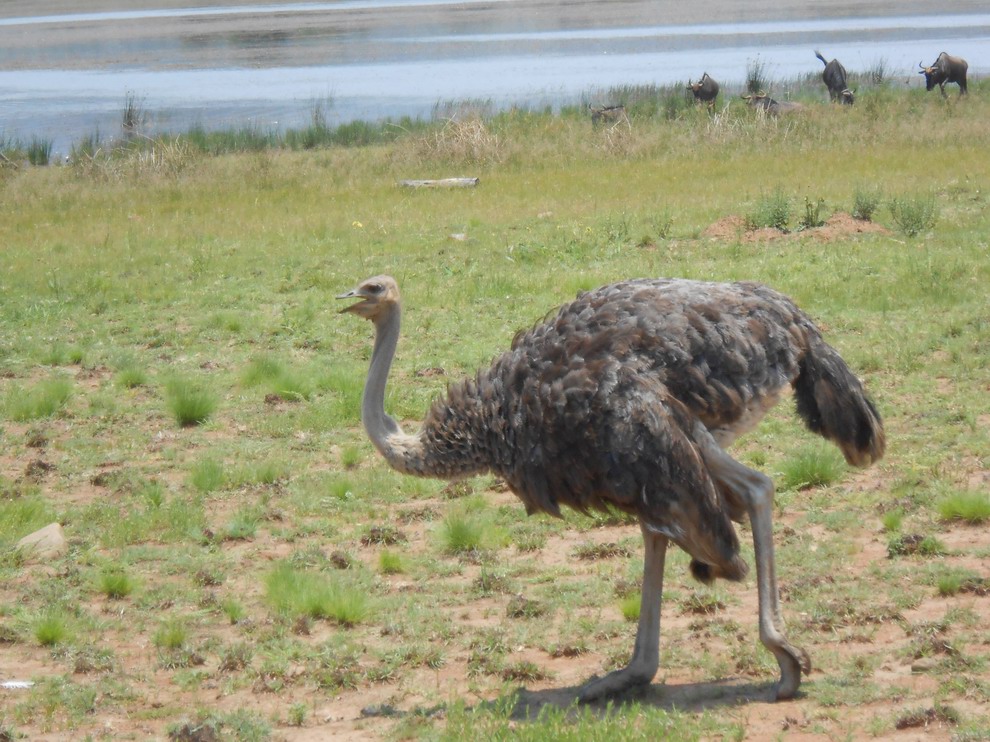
x,y
67,76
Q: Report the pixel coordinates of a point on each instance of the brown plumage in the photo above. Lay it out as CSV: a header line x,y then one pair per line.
x,y
627,398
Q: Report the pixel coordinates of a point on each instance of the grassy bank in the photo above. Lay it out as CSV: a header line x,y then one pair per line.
x,y
177,390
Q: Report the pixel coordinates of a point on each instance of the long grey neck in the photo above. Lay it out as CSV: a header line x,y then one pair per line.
x,y
378,424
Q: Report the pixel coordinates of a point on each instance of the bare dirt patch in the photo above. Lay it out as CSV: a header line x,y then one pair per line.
x,y
839,226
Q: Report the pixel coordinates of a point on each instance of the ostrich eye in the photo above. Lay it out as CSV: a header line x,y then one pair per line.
x,y
376,288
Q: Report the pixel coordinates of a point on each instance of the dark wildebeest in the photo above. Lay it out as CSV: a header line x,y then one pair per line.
x,y
763,102
705,90
607,114
945,69
834,77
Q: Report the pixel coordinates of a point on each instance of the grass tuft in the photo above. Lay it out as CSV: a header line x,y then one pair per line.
x,y
818,466
969,506
312,595
115,583
189,403
45,399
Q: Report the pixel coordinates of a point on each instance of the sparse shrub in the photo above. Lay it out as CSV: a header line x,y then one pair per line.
x,y
662,224
523,671
812,216
914,215
297,714
969,506
236,657
866,201
386,535
469,141
771,210
522,607
189,403
913,543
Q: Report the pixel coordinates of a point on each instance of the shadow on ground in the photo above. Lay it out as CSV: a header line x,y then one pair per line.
x,y
527,705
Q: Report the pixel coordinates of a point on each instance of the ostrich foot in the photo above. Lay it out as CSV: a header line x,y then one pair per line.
x,y
793,661
616,682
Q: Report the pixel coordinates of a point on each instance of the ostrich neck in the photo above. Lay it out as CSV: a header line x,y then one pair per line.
x,y
429,453
380,427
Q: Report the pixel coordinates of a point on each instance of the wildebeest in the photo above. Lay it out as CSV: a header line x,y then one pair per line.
x,y
705,90
834,77
762,101
945,69
608,114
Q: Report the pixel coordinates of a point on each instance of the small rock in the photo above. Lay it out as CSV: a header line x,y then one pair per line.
x,y
47,543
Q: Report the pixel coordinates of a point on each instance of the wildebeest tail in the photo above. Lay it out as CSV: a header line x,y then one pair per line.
x,y
832,403
819,55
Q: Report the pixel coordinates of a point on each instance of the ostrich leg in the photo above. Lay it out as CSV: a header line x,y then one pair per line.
x,y
646,653
755,491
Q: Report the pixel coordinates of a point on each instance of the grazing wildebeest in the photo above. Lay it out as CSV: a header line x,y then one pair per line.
x,y
762,101
834,77
608,114
705,90
945,69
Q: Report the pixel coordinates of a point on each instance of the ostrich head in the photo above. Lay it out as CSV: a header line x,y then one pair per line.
x,y
379,295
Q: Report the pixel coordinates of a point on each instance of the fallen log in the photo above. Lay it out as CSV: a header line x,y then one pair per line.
x,y
440,183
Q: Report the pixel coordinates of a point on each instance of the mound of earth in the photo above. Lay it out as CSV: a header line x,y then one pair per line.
x,y
838,226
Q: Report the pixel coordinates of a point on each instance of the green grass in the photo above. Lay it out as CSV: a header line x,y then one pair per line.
x,y
914,214
968,506
462,533
816,466
266,525
115,583
45,399
313,595
190,403
52,628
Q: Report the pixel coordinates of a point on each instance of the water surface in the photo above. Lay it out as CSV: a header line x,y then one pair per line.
x,y
66,76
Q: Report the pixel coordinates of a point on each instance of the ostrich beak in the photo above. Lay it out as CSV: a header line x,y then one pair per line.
x,y
352,294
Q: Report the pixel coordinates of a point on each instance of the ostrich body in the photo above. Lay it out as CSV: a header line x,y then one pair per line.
x,y
627,397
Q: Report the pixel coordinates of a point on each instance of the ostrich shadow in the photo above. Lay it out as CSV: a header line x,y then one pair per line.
x,y
527,705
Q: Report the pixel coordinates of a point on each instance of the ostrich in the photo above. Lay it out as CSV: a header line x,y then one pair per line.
x,y
627,397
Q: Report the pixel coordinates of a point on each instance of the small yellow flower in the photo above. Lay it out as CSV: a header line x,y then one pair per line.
x,y
357,225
